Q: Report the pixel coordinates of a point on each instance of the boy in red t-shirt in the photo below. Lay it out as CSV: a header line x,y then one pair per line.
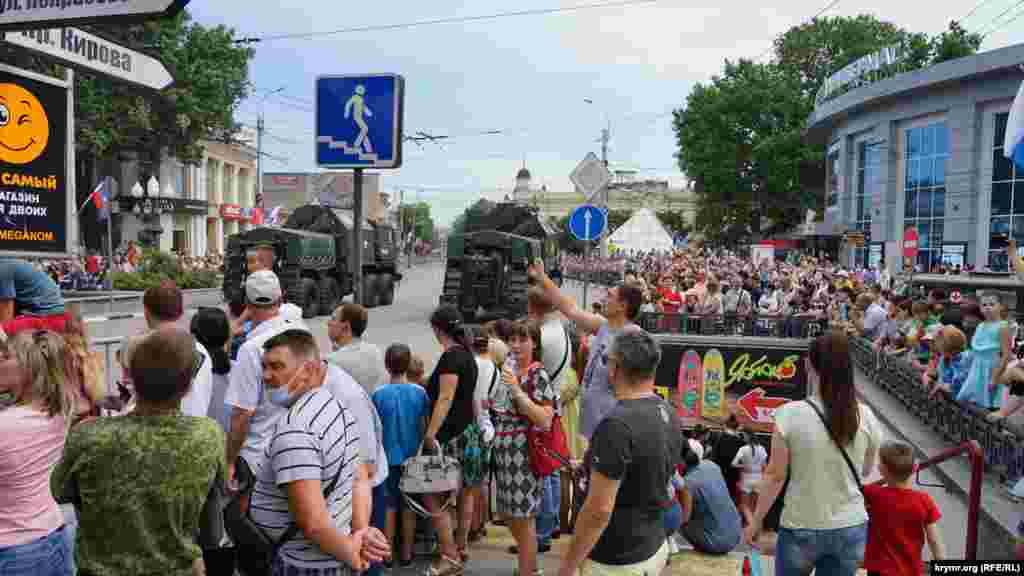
x,y
903,518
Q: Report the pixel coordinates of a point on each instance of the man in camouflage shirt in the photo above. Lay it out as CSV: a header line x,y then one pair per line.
x,y
140,481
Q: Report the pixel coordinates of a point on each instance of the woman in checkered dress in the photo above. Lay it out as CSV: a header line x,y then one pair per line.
x,y
527,397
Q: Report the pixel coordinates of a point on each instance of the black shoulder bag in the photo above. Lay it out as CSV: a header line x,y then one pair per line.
x,y
245,532
849,462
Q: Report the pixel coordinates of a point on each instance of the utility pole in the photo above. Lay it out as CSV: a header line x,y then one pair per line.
x,y
259,154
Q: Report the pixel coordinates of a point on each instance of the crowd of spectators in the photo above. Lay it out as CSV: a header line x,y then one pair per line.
x,y
88,271
240,432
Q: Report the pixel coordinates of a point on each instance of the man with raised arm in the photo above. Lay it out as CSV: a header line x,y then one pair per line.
x,y
621,308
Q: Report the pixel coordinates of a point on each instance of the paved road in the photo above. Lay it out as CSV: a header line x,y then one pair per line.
x,y
407,321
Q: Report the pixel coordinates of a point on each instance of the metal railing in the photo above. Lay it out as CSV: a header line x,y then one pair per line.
x,y
605,278
799,326
977,458
1001,443
110,347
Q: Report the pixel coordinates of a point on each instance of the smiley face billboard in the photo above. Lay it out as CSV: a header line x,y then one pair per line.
x,y
33,165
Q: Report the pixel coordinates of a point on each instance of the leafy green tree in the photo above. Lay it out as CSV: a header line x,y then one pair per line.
x,y
416,217
740,138
740,135
617,218
954,43
673,220
211,80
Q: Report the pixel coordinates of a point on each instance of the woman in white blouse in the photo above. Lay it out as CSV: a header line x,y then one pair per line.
x,y
824,522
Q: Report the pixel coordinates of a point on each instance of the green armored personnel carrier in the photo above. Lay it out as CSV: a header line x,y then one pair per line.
x,y
312,258
489,250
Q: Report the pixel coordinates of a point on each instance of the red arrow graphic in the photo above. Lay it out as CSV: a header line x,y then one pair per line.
x,y
751,401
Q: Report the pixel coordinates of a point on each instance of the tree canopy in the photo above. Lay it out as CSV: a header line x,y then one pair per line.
x,y
416,217
740,135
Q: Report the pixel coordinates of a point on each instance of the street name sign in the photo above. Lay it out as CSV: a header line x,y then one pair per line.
x,y
80,49
590,176
22,14
359,121
588,222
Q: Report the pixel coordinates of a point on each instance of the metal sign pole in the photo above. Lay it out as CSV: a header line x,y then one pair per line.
x,y
586,273
110,248
357,236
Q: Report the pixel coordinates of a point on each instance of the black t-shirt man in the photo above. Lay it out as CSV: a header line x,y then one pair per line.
x,y
729,443
639,444
460,362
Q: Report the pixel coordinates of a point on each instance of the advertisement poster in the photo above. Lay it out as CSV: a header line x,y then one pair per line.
x,y
709,378
875,255
33,165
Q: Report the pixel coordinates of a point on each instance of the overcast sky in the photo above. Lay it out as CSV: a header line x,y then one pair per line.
x,y
528,76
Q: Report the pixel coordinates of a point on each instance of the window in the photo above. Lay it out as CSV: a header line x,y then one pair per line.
x,y
834,176
1007,216
180,177
924,190
869,189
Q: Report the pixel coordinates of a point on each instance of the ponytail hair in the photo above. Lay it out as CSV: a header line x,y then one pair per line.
x,y
211,328
830,357
448,320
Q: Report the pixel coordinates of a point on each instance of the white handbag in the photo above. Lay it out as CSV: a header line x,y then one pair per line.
x,y
430,474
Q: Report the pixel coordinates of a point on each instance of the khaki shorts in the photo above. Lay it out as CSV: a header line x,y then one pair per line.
x,y
653,566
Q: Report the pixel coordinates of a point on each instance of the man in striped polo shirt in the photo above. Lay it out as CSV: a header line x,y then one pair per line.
x,y
312,467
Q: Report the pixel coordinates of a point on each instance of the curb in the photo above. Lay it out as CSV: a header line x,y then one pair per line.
x,y
112,317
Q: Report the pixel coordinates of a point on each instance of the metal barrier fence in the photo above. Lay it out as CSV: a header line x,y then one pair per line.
x,y
1001,443
733,325
109,348
598,278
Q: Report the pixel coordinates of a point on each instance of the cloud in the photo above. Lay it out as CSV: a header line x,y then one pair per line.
x,y
528,77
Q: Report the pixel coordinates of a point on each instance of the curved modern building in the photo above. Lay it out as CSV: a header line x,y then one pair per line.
x,y
923,149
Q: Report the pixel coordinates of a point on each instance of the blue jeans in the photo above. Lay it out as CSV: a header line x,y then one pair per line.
x,y
673,518
827,552
547,516
382,498
52,555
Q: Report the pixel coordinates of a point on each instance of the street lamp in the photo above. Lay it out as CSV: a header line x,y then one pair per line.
x,y
150,211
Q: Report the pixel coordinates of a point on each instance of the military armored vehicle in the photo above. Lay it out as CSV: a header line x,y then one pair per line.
x,y
313,260
489,250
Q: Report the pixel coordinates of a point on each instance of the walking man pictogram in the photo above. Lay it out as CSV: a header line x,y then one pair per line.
x,y
356,106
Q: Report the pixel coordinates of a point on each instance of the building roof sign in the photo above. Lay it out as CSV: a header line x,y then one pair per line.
x,y
864,70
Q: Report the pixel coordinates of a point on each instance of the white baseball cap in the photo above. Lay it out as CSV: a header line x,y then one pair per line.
x,y
291,312
262,288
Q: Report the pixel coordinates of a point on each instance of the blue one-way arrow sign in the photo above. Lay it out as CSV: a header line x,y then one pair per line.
x,y
588,222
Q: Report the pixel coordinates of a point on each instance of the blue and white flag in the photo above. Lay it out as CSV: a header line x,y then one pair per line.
x,y
1013,144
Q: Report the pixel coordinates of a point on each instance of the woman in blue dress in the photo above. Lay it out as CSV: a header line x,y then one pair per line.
x,y
990,352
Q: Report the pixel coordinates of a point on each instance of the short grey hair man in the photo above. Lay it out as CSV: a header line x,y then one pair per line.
x,y
635,447
637,356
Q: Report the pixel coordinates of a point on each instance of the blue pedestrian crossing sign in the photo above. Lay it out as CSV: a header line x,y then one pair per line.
x,y
359,121
588,222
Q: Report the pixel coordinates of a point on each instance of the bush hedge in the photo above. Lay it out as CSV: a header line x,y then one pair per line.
x,y
155,266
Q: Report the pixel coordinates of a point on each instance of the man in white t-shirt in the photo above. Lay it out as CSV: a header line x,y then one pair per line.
x,y
346,390
163,307
253,416
363,360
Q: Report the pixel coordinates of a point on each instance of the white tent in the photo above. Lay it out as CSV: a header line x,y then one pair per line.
x,y
643,232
